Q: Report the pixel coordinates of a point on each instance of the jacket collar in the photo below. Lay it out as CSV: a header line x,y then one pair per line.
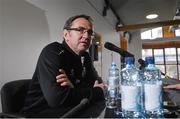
x,y
65,45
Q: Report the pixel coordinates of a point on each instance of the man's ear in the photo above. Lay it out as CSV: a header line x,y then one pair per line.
x,y
65,33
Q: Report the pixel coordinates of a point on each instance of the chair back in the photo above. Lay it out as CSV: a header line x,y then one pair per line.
x,y
13,94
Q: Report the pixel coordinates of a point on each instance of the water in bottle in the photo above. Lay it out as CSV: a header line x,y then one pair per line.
x,y
112,87
131,90
152,90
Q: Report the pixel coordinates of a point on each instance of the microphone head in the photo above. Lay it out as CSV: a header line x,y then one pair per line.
x,y
112,47
115,48
108,45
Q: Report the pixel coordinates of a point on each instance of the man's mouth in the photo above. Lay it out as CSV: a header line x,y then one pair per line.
x,y
84,43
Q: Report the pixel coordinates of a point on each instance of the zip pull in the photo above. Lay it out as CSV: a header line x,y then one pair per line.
x,y
82,60
83,66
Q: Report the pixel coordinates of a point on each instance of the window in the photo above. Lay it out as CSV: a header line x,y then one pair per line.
x,y
146,34
170,55
157,33
166,54
166,59
178,51
146,53
152,34
158,56
171,62
177,32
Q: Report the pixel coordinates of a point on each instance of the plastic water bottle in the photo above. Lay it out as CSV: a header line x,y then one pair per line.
x,y
131,90
112,87
152,90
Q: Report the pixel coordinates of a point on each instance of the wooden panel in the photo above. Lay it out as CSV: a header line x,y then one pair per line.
x,y
161,44
148,25
123,41
166,33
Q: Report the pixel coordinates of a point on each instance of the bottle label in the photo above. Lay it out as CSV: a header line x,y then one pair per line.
x,y
130,97
153,96
113,93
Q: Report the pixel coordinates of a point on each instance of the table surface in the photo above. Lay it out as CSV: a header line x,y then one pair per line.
x,y
99,109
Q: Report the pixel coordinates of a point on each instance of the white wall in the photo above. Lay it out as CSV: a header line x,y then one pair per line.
x,y
135,45
58,12
0,47
29,25
1,37
25,32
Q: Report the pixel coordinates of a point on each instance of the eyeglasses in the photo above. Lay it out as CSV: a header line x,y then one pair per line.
x,y
82,30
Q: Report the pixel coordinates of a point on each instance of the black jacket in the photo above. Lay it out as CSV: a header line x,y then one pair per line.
x,y
45,93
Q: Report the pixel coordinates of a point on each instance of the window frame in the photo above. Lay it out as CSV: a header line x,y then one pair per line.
x,y
165,64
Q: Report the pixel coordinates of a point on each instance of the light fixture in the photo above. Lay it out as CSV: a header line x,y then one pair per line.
x,y
151,16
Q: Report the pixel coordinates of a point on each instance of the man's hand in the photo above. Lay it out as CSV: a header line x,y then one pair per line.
x,y
101,85
63,79
173,86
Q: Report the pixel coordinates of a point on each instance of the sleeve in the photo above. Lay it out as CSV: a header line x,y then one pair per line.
x,y
49,64
94,73
98,93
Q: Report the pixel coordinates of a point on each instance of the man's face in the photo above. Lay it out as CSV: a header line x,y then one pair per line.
x,y
78,37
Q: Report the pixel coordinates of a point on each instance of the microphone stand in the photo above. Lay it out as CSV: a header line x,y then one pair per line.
x,y
122,62
74,111
121,51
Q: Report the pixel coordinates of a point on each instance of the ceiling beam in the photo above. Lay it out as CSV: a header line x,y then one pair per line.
x,y
148,25
109,5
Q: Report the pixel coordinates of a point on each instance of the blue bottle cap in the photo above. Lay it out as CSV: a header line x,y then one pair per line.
x,y
113,64
149,60
129,60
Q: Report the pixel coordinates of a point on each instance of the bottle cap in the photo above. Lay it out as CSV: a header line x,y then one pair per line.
x,y
149,60
129,60
113,64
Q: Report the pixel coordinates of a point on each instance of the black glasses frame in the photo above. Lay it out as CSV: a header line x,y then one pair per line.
x,y
82,30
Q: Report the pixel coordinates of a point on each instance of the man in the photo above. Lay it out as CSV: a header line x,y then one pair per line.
x,y
172,90
52,89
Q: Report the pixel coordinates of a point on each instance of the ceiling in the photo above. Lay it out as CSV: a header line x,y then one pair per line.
x,y
131,12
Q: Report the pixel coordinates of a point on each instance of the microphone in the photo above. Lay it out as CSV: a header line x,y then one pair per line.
x,y
76,109
114,48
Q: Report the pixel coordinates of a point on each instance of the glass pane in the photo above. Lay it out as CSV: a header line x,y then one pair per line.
x,y
162,68
170,55
146,34
172,71
158,55
157,33
178,55
146,52
177,32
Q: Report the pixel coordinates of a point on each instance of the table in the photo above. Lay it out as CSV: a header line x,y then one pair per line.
x,y
99,109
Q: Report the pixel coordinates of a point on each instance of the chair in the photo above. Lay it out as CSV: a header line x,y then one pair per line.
x,y
12,97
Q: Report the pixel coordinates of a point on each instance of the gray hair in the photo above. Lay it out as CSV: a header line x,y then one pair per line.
x,y
68,23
